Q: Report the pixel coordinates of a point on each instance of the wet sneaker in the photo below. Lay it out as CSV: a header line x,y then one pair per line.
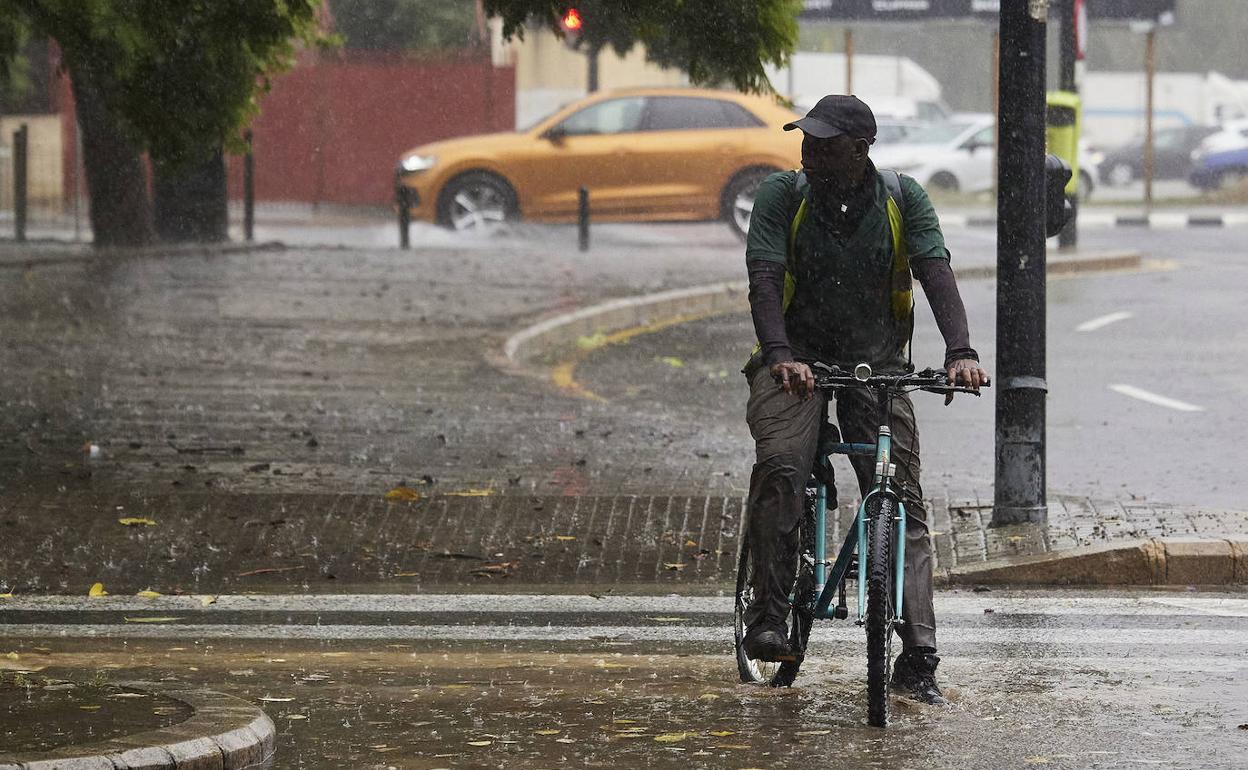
x,y
767,643
914,674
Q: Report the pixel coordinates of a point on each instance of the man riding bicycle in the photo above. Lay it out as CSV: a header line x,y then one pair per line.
x,y
828,284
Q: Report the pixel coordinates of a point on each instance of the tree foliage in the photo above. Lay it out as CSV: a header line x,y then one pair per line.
x,y
405,25
181,77
714,41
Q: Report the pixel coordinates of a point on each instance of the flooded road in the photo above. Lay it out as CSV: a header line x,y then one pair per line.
x,y
1065,679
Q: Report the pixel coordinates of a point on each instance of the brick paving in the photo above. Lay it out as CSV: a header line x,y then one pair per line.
x,y
258,404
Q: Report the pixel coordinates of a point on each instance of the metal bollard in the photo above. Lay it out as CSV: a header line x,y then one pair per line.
x,y
249,191
405,216
582,219
19,182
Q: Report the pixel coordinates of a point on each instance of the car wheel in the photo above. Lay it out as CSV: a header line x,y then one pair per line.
x,y
943,180
476,201
738,198
1120,175
1085,186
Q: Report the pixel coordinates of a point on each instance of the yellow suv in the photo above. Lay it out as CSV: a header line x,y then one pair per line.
x,y
671,154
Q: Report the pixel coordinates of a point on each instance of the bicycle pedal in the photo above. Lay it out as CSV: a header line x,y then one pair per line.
x,y
840,613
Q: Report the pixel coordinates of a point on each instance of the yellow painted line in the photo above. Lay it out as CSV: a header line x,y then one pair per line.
x,y
563,375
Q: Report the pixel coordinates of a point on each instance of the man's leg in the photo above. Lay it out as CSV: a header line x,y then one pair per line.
x,y
786,433
858,416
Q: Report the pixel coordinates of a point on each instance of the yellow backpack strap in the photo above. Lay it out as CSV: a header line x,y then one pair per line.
x,y
903,287
790,285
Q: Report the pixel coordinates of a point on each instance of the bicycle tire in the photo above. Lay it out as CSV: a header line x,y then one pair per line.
x,y
752,671
802,611
879,619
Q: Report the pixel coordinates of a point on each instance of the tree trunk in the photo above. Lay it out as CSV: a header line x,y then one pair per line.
x,y
191,200
121,211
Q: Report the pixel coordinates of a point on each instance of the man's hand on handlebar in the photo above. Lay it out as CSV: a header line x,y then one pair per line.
x,y
795,378
966,372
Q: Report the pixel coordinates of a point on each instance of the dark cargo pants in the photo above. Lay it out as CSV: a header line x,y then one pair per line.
x,y
786,433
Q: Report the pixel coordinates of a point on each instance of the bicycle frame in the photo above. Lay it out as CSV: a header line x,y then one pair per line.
x,y
827,583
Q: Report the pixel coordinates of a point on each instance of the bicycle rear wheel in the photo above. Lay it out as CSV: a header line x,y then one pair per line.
x,y
880,613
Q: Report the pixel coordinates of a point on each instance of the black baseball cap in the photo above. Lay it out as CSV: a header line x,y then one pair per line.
x,y
837,114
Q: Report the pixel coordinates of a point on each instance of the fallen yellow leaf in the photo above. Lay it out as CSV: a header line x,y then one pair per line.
x,y
137,521
89,708
547,732
152,620
671,737
592,341
148,594
406,494
624,721
565,740
407,574
479,743
206,600
97,590
6,596
708,696
673,362
565,538
722,733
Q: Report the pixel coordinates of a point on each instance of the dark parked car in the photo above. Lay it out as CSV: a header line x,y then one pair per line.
x,y
1173,148
1211,170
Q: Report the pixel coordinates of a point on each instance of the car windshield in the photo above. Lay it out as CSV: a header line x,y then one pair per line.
x,y
939,133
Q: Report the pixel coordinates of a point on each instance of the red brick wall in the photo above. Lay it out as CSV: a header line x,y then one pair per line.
x,y
332,131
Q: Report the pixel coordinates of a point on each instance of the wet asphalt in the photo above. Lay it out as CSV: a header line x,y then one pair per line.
x,y
1059,678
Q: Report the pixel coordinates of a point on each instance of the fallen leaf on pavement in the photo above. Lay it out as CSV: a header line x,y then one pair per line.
x,y
296,716
722,733
675,566
673,362
671,737
406,494
547,732
148,594
407,574
708,696
89,708
97,590
565,740
565,538
137,521
479,743
206,600
6,596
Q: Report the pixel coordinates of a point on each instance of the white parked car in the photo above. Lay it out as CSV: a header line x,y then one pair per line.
x,y
1233,135
957,156
953,156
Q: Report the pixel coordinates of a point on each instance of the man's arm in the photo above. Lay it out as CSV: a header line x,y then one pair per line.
x,y
766,253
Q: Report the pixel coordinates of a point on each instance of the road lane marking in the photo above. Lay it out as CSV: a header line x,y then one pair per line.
x,y
1153,398
1103,321
947,603
1184,641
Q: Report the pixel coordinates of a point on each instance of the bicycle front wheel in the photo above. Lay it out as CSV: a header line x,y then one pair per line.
x,y
880,612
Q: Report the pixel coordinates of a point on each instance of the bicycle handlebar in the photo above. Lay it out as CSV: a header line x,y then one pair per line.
x,y
931,380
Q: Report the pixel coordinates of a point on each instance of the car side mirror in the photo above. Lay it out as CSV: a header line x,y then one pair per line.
x,y
1058,208
555,134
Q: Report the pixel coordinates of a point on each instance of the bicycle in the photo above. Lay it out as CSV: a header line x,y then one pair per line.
x,y
878,531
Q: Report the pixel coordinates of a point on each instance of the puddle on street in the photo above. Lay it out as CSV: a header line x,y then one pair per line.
x,y
412,706
41,713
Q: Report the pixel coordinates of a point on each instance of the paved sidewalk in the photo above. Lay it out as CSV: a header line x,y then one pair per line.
x,y
257,405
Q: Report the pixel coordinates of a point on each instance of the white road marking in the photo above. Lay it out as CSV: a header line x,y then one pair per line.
x,y
1140,603
1102,321
1169,640
1153,398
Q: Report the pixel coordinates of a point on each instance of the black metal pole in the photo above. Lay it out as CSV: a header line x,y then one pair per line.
x,y
19,183
582,219
249,191
1069,237
405,215
1020,386
591,53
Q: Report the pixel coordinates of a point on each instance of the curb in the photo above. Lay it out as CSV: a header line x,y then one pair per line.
x,y
1167,561
1156,220
565,331
223,733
